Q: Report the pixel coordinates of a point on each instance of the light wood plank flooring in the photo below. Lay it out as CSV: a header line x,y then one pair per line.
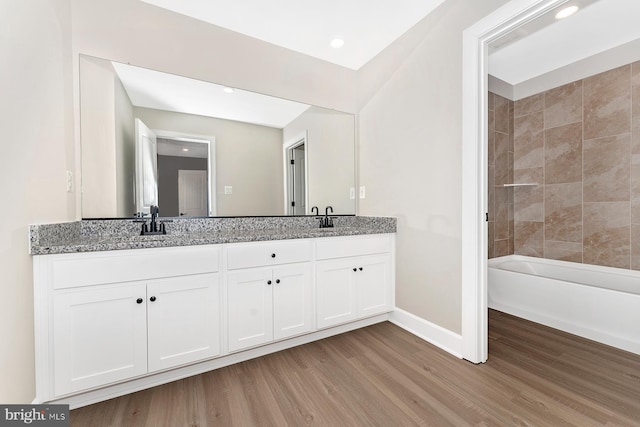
x,y
384,376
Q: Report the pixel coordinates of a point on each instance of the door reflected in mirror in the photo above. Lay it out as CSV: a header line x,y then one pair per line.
x,y
244,170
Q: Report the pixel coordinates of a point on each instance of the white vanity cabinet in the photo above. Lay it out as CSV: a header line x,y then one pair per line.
x,y
268,303
114,322
353,278
102,319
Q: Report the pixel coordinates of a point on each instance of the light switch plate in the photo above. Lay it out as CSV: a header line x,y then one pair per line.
x,y
228,189
352,193
69,182
362,192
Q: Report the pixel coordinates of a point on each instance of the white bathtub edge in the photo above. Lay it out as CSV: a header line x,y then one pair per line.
x,y
572,328
430,332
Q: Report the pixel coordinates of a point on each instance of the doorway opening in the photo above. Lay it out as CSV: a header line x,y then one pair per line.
x,y
296,176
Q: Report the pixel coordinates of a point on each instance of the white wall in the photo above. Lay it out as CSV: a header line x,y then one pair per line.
x,y
37,130
410,156
331,157
98,115
130,31
125,151
248,158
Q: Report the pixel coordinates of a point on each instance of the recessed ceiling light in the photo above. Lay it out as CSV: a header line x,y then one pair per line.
x,y
185,149
229,89
566,12
337,43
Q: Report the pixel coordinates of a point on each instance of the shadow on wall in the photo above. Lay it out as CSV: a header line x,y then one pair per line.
x,y
426,249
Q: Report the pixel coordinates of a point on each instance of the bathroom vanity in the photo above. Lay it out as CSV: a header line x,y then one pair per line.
x,y
116,313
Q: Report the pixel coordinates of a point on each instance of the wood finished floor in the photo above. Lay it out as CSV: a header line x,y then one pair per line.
x,y
383,376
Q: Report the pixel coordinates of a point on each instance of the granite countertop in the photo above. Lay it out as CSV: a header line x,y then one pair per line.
x,y
107,235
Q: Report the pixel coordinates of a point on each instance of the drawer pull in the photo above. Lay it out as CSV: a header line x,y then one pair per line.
x,y
355,269
268,282
277,280
273,255
360,268
139,300
152,299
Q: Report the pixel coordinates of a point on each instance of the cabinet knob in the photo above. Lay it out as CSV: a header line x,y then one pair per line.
x,y
355,269
152,299
277,280
360,268
268,282
139,300
273,255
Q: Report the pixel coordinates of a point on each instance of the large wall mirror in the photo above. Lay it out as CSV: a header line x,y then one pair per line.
x,y
196,148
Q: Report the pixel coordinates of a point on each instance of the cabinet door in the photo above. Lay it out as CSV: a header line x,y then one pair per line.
x,y
373,285
249,306
292,302
183,320
99,336
335,292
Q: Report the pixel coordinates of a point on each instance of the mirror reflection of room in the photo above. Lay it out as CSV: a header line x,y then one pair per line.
x,y
241,167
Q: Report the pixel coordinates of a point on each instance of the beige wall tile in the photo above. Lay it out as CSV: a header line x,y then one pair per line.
x,y
635,73
491,134
501,219
607,234
563,212
490,239
607,109
501,158
563,154
529,141
635,246
501,108
563,251
607,169
529,105
529,238
529,201
501,248
563,105
635,153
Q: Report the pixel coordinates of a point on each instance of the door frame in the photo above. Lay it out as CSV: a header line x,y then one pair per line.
x,y
475,65
292,143
211,161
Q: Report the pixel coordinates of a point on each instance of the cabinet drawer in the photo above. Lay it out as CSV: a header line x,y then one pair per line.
x,y
339,247
245,255
69,271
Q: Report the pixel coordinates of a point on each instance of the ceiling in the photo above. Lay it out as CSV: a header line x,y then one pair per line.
x,y
366,26
547,44
538,48
163,91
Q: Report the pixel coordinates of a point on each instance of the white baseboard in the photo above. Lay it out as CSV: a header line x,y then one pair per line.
x,y
430,332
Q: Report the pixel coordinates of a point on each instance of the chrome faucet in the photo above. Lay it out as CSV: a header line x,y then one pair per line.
x,y
316,208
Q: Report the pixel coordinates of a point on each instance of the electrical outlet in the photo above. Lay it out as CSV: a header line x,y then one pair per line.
x,y
362,193
228,189
352,193
69,182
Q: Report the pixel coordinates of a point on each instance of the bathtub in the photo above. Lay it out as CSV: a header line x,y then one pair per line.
x,y
598,303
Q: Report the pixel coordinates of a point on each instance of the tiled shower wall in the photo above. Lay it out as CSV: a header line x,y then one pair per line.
x,y
581,144
500,171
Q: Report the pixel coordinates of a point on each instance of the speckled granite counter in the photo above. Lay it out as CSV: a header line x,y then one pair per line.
x,y
117,234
